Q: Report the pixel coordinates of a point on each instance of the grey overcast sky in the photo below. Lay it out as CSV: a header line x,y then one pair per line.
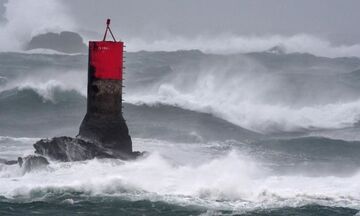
x,y
299,25
336,20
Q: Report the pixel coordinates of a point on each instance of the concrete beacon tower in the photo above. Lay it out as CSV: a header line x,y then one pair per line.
x,y
103,123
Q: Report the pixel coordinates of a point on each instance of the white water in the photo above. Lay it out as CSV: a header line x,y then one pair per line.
x,y
239,99
27,18
242,44
46,82
231,180
256,115
244,98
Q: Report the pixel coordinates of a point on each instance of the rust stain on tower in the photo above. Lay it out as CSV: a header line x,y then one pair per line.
x,y
103,122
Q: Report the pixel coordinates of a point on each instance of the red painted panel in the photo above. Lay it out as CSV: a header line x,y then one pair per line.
x,y
106,58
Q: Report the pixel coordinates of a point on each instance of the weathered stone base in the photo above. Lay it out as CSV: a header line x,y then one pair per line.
x,y
108,131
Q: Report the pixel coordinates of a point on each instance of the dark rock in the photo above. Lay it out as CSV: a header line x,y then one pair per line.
x,y
11,162
76,149
68,42
7,162
32,162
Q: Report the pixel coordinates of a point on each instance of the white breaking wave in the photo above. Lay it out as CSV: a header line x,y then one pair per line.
x,y
17,139
48,89
243,98
47,52
237,99
232,181
47,82
258,116
24,20
226,44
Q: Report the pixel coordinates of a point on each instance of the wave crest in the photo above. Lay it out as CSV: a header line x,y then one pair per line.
x,y
232,179
226,44
244,103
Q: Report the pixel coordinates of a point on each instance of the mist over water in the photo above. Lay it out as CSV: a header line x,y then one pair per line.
x,y
211,124
249,98
242,89
23,21
229,43
239,182
247,91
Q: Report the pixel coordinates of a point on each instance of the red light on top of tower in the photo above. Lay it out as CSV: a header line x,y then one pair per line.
x,y
106,57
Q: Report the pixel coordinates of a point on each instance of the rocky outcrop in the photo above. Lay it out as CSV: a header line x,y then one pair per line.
x,y
67,42
67,149
8,162
76,149
32,162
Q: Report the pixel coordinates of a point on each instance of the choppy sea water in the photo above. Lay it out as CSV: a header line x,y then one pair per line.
x,y
175,179
213,149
